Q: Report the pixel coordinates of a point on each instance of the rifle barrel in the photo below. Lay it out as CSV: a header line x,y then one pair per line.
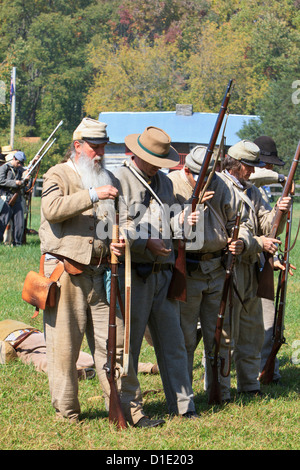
x,y
116,415
215,391
41,156
177,287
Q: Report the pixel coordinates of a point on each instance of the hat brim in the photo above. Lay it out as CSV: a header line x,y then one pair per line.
x,y
272,159
102,140
169,161
258,164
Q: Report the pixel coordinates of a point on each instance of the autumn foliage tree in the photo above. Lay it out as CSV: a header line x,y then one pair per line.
x,y
82,57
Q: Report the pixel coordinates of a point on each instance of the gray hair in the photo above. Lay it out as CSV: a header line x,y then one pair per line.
x,y
231,163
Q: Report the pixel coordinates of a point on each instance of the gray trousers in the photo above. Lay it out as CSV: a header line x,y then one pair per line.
x,y
204,291
268,318
151,306
81,309
248,329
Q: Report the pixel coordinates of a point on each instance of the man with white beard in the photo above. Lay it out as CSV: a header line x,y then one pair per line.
x,y
77,195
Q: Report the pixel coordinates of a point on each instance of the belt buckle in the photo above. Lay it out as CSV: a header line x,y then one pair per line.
x,y
206,257
156,267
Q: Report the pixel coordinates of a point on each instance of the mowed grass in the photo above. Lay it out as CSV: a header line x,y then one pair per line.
x,y
27,419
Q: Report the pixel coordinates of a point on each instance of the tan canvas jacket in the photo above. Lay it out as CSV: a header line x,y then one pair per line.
x,y
260,213
219,214
68,217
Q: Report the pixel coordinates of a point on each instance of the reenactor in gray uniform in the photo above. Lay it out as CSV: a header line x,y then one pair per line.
x,y
265,176
240,162
205,270
148,197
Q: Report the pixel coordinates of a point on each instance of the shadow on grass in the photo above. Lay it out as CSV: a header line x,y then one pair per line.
x,y
95,414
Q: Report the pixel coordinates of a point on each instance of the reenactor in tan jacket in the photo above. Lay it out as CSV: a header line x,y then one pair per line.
x,y
77,199
263,177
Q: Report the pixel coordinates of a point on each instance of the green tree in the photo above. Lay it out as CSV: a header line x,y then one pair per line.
x,y
279,113
46,42
137,78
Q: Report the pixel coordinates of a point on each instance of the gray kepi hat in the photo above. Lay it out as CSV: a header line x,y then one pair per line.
x,y
194,160
92,131
246,152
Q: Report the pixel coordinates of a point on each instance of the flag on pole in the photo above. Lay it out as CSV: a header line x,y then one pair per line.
x,y
12,88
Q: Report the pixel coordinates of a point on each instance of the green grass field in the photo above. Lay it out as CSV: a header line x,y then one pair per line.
x,y
27,419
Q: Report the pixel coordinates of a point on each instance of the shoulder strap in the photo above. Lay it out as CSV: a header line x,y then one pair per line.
x,y
141,179
59,269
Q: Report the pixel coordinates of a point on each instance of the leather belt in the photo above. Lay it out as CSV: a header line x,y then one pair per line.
x,y
203,256
73,267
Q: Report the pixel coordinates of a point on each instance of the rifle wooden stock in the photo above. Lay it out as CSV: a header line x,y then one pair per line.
x,y
116,415
266,281
177,288
267,373
215,396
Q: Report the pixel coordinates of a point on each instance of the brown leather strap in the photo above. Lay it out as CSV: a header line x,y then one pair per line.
x,y
22,337
59,269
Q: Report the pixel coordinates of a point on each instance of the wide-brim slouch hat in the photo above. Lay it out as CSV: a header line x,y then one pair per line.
x,y
6,149
268,150
7,352
92,131
154,147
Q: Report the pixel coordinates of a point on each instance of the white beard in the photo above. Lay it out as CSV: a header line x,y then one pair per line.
x,y
92,172
93,175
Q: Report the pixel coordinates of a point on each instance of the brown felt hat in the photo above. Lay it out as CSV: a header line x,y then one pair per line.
x,y
268,150
153,146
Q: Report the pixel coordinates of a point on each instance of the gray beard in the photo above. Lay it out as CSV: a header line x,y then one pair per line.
x,y
93,175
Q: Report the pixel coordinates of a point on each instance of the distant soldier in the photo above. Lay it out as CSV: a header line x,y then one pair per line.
x,y
261,177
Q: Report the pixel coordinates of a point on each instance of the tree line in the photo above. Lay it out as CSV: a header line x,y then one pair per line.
x,y
82,57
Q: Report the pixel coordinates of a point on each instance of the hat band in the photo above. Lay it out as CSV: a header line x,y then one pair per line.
x,y
101,139
149,151
249,162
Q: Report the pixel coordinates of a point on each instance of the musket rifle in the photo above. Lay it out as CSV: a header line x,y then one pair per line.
x,y
32,166
177,288
216,361
116,415
267,373
44,145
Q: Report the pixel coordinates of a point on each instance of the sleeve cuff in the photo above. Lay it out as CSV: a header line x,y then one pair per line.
x,y
93,195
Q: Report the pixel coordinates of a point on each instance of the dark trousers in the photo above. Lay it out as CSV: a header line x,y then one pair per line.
x,y
5,216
